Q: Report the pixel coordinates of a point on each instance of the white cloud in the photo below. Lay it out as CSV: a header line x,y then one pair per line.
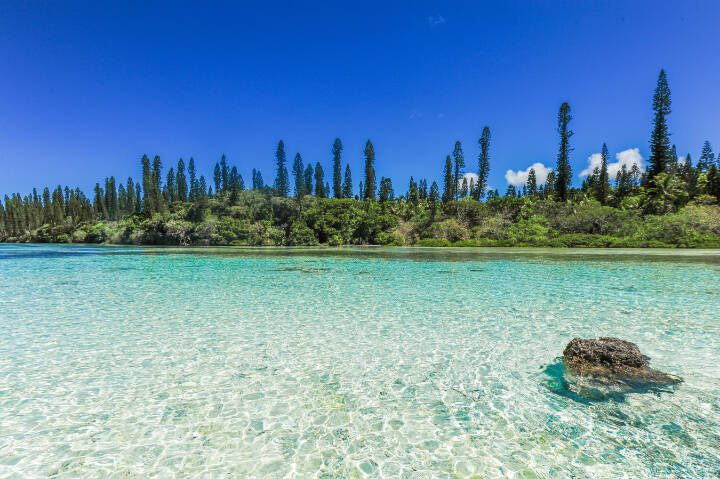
x,y
434,21
627,157
469,177
519,178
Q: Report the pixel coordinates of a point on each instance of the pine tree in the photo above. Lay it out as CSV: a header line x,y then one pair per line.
x,y
707,158
99,203
423,189
483,163
563,171
224,173
622,184
147,202
634,177
122,201
464,188
413,194
673,166
660,150
58,206
170,193
156,186
282,186
194,185
370,182
112,199
602,185
347,183
448,184
234,185
128,206
459,160
138,199
713,181
203,189
433,196
181,181
217,177
298,176
319,181
386,192
511,191
550,181
689,175
309,175
532,183
257,180
337,177
47,215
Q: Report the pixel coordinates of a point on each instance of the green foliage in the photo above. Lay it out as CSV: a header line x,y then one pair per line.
x,y
660,149
563,171
337,179
282,183
301,235
674,204
483,163
370,177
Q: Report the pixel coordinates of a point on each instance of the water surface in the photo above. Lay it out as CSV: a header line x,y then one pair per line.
x,y
136,362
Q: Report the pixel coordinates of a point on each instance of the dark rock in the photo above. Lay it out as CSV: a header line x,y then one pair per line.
x,y
613,360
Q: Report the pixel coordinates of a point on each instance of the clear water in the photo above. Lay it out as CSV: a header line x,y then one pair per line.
x,y
275,363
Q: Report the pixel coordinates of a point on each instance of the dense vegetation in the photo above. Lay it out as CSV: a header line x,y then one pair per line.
x,y
673,203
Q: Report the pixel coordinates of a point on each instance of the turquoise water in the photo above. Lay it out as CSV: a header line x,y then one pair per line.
x,y
324,363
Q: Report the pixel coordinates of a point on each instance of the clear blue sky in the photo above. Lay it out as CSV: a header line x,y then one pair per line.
x,y
88,87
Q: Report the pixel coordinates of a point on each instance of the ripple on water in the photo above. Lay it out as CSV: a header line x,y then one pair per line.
x,y
269,365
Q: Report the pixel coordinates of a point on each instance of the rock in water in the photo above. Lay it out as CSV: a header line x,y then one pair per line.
x,y
613,360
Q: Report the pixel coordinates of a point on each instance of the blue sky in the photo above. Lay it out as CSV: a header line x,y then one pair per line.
x,y
88,87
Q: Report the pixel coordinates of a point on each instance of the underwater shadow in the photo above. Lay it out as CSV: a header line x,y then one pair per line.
x,y
592,389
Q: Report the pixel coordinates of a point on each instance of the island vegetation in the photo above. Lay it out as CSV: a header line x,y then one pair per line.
x,y
673,203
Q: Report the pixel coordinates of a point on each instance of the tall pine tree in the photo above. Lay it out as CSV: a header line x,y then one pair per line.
x,y
347,183
602,185
563,172
194,184
337,173
483,164
299,179
707,158
660,150
181,181
319,181
448,183
224,173
532,185
308,177
370,181
217,178
282,185
147,202
458,172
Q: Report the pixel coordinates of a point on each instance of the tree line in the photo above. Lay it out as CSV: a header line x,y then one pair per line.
x,y
669,183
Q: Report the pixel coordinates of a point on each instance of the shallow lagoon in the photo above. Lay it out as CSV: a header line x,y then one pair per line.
x,y
349,362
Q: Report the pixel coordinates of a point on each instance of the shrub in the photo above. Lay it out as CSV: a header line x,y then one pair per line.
x,y
433,242
301,235
450,230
